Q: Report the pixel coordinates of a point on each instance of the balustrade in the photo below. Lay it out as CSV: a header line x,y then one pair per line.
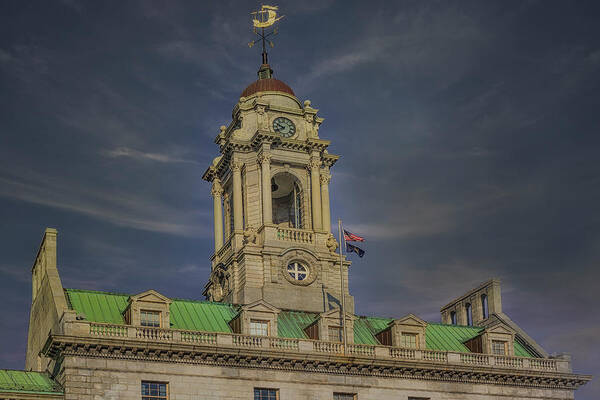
x,y
147,333
361,350
328,347
471,358
247,341
408,354
316,346
295,235
108,330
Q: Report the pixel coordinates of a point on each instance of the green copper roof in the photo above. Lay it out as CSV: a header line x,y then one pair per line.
x,y
291,324
27,382
184,314
214,317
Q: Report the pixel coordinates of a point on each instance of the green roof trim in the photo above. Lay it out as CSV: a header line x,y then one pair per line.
x,y
27,382
209,316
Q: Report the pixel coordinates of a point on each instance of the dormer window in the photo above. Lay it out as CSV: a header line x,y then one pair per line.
x,y
335,334
408,340
259,327
150,318
469,311
499,347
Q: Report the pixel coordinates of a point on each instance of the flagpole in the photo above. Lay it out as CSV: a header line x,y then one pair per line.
x,y
343,314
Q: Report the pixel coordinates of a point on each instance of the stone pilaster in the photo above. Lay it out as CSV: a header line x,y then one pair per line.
x,y
265,161
217,193
325,179
315,167
238,222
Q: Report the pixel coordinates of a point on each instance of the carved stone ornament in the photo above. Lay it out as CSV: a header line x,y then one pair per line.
x,y
332,244
250,235
219,287
217,188
262,118
264,158
307,261
325,178
236,166
314,163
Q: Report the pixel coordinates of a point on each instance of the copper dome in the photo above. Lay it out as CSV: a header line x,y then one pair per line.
x,y
267,85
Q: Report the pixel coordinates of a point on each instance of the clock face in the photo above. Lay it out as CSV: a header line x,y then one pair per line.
x,y
284,127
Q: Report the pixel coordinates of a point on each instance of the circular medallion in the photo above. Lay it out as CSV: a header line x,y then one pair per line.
x,y
284,127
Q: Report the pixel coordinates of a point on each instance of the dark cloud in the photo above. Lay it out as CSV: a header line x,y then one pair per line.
x,y
469,136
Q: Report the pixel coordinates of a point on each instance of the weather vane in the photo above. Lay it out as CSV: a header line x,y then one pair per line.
x,y
263,19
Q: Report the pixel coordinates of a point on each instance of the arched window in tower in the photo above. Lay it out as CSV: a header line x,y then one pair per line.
x,y
484,306
453,317
469,311
287,201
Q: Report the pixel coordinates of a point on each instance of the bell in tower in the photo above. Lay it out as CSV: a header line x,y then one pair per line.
x,y
272,220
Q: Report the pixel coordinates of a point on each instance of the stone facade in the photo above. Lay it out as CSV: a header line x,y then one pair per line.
x,y
274,255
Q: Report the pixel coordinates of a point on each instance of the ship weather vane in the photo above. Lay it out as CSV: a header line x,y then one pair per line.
x,y
263,19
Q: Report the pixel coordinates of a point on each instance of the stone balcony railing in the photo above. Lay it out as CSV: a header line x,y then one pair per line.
x,y
308,347
295,235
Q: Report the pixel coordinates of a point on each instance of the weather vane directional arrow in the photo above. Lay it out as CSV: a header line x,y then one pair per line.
x,y
263,19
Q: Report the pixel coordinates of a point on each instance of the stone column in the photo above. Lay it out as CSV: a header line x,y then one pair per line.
x,y
325,179
315,166
217,192
238,222
265,161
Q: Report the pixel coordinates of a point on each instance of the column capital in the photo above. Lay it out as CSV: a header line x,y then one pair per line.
x,y
314,163
217,188
325,178
236,165
264,158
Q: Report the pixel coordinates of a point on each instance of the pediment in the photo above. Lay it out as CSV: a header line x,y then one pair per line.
x,y
335,313
150,296
499,328
261,306
410,320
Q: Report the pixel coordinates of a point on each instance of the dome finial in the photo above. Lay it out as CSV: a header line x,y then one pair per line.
x,y
264,18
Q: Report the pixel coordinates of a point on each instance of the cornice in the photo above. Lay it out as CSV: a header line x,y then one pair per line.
x,y
127,349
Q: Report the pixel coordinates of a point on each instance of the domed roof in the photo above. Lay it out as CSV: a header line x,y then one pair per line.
x,y
267,85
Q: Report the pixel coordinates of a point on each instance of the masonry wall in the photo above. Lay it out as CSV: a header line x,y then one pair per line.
x,y
106,379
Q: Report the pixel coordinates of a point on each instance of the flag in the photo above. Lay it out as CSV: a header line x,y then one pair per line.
x,y
351,237
354,249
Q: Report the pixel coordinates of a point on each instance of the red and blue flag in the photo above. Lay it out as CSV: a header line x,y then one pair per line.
x,y
351,237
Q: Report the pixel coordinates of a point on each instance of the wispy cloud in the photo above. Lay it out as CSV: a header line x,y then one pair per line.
x,y
120,208
126,152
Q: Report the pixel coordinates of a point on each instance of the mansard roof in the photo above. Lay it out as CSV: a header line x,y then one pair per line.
x,y
12,381
214,317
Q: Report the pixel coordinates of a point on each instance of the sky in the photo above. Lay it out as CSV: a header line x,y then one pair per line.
x,y
468,132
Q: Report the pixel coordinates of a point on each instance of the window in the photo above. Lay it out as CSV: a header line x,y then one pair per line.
x,y
499,347
408,340
484,306
297,271
150,318
453,317
259,328
335,334
469,311
266,394
154,391
344,396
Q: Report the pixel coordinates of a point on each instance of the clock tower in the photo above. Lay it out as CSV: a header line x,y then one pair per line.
x,y
272,220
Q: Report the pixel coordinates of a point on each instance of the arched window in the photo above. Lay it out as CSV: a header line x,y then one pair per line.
x,y
484,306
287,201
453,317
469,314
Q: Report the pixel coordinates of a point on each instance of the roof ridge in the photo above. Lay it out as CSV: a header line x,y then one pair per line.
x,y
96,291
